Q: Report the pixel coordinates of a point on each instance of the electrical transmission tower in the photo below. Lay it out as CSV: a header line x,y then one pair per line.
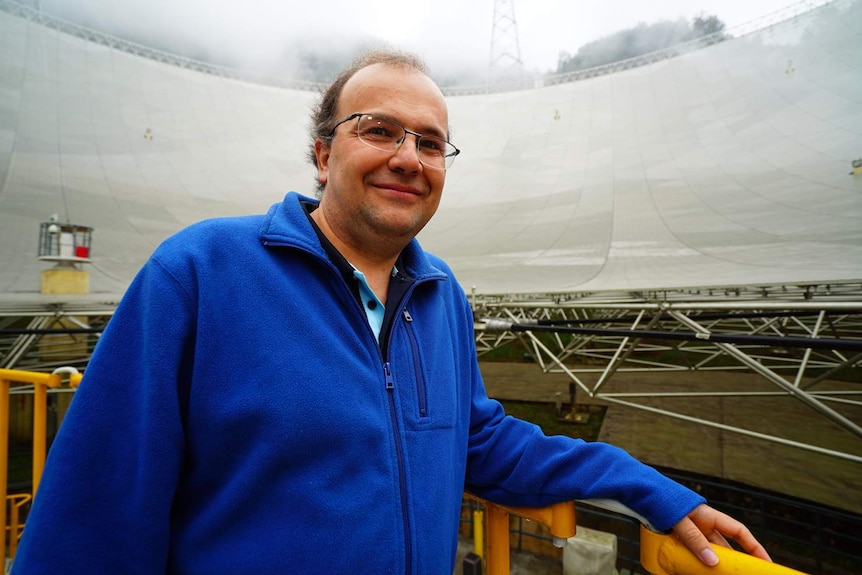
x,y
505,66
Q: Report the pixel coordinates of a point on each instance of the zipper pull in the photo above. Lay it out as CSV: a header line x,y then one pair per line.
x,y
387,373
407,316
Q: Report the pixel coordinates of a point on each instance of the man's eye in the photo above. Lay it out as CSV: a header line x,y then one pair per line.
x,y
378,132
432,144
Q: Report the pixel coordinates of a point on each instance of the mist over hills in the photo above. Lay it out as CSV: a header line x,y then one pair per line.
x,y
309,55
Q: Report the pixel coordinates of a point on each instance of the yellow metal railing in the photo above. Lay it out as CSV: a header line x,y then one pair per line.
x,y
15,502
558,518
660,554
41,382
666,555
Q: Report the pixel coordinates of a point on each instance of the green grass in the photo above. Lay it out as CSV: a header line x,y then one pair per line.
x,y
545,416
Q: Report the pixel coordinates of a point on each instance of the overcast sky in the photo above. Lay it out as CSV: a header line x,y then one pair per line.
x,y
255,33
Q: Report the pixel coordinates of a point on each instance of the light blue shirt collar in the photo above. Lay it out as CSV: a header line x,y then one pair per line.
x,y
374,308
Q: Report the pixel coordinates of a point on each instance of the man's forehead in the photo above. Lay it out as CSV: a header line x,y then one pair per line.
x,y
401,93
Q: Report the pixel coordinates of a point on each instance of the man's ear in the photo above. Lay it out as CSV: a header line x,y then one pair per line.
x,y
321,152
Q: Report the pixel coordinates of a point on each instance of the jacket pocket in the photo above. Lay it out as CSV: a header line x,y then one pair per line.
x,y
419,375
429,376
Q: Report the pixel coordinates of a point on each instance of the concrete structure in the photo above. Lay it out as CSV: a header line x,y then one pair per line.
x,y
725,166
590,552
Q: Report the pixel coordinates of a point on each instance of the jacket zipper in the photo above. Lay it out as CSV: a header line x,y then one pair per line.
x,y
421,393
402,478
399,447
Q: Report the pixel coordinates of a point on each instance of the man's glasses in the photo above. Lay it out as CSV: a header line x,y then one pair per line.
x,y
387,136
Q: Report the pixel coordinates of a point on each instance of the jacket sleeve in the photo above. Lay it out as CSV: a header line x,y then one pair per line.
x,y
104,501
512,462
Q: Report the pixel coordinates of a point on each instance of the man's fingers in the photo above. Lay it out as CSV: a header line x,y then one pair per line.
x,y
718,526
692,537
718,539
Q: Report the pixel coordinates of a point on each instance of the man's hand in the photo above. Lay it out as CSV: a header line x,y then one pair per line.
x,y
705,524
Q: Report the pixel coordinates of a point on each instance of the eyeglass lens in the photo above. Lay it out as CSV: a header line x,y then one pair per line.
x,y
387,136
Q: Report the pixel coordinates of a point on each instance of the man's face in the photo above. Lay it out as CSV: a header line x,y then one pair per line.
x,y
371,195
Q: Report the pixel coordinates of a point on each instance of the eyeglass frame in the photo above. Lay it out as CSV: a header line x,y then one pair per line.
x,y
357,115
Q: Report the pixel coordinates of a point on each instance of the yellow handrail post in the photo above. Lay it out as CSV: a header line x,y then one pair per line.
x,y
479,533
559,518
497,527
666,555
4,457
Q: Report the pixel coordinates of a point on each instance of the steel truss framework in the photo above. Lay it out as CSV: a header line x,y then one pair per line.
x,y
803,342
44,338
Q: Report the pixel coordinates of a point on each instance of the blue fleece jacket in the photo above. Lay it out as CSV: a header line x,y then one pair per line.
x,y
238,416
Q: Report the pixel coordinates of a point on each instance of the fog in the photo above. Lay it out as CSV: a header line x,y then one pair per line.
x,y
284,38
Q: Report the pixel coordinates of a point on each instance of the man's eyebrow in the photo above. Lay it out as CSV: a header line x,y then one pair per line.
x,y
431,130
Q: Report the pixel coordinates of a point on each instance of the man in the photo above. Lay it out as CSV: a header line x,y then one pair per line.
x,y
299,392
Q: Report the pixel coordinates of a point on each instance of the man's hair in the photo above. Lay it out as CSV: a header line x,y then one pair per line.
x,y
323,113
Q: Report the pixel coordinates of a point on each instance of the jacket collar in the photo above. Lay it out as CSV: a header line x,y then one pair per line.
x,y
286,224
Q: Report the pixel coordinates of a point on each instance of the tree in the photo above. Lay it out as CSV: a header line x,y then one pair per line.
x,y
704,25
639,40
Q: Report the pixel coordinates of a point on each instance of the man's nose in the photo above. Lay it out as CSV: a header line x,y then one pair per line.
x,y
407,154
